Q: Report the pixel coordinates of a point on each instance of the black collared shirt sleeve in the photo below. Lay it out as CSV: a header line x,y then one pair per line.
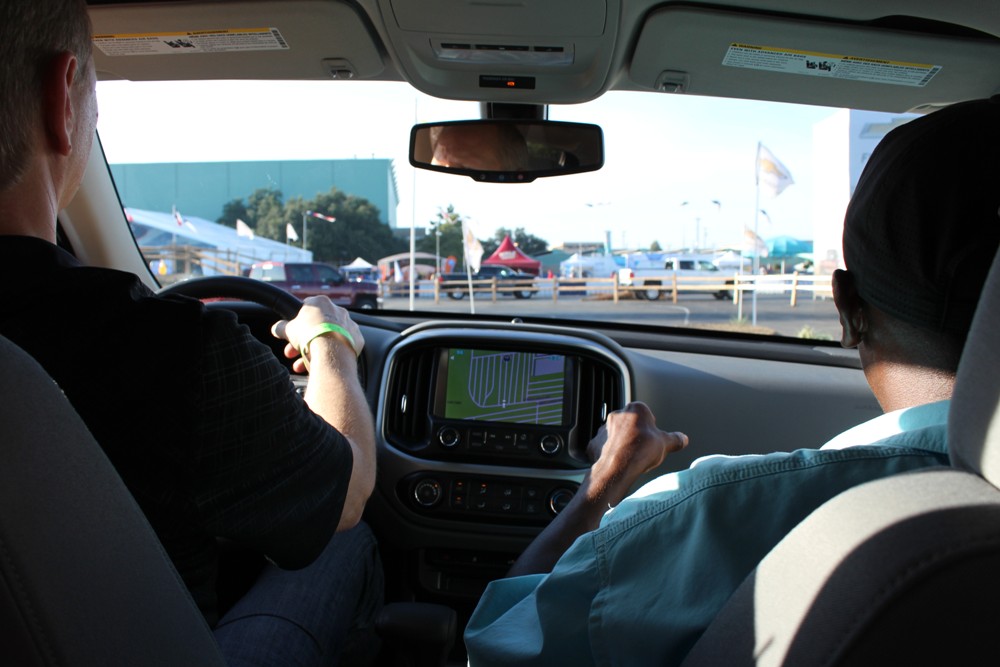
x,y
268,473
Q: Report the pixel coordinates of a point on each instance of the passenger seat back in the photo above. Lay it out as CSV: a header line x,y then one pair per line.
x,y
902,570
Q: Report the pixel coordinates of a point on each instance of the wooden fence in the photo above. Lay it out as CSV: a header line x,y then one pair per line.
x,y
180,262
187,261
672,287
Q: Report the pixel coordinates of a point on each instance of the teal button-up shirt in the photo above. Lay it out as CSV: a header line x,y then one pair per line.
x,y
642,588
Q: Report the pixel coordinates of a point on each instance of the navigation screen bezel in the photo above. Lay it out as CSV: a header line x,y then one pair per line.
x,y
442,373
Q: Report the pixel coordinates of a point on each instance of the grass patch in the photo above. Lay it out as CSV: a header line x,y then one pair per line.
x,y
810,333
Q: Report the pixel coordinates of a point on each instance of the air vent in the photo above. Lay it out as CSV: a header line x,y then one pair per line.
x,y
601,392
408,401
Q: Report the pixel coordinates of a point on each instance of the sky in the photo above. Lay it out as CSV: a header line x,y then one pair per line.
x,y
660,152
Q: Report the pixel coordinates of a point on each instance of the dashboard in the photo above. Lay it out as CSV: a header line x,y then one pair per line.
x,y
482,425
461,404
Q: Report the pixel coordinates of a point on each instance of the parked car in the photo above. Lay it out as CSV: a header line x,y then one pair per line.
x,y
682,108
304,279
656,276
508,281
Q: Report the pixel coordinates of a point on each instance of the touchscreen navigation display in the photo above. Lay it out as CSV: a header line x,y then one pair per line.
x,y
511,387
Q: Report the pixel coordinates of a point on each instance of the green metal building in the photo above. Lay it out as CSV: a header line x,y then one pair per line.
x,y
202,188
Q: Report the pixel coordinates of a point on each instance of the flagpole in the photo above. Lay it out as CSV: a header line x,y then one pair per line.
x,y
468,274
413,222
305,222
756,245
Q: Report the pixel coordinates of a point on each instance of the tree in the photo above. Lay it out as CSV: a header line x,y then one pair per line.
x,y
259,212
655,246
529,244
233,211
266,212
448,223
357,232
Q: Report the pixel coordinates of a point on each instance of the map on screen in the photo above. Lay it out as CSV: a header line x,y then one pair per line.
x,y
512,387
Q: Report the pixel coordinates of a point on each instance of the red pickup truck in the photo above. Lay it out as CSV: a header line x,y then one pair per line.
x,y
313,278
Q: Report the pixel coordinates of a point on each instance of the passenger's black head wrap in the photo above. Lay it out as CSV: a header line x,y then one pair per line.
x,y
924,222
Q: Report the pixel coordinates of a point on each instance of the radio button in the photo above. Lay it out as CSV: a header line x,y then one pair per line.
x,y
550,444
449,437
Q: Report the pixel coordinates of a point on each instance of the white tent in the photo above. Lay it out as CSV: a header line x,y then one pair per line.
x,y
731,260
359,263
154,229
587,266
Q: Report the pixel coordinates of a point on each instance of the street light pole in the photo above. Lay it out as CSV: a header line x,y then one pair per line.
x,y
437,251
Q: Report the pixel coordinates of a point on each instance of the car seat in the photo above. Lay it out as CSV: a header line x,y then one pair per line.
x,y
903,570
83,578
84,581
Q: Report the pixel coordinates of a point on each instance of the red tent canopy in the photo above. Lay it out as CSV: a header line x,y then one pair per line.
x,y
510,255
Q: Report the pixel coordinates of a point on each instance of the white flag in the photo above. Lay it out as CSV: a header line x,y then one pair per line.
x,y
243,229
772,176
397,273
471,246
290,233
753,244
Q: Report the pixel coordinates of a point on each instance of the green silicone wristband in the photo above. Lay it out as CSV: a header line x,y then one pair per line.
x,y
323,329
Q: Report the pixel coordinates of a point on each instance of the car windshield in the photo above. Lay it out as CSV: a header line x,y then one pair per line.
x,y
708,213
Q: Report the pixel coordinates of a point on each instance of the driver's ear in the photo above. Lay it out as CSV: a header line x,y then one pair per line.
x,y
850,306
58,77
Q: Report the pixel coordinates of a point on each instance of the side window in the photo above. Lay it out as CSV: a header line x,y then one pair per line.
x,y
299,274
707,266
329,275
267,272
669,265
687,264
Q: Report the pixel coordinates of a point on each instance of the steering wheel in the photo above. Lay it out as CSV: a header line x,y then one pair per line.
x,y
237,287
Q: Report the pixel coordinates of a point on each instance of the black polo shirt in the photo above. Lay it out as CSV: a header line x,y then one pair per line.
x,y
198,417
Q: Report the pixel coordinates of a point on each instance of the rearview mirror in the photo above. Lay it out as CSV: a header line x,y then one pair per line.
x,y
507,151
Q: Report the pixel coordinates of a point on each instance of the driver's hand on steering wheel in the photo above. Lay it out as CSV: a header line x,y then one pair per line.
x,y
318,317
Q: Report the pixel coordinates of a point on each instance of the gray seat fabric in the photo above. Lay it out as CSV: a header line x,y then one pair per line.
x,y
903,570
83,578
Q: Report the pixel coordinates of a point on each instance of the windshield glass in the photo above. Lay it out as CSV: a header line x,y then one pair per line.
x,y
711,213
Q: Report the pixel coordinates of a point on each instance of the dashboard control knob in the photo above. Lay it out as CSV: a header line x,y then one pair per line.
x,y
559,499
449,437
550,444
427,492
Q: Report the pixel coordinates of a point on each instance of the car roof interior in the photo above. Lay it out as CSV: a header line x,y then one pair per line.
x,y
571,51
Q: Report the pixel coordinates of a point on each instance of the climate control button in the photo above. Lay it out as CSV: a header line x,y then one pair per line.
x,y
427,492
559,499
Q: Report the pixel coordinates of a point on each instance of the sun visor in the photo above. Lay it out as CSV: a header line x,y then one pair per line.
x,y
306,39
734,54
531,51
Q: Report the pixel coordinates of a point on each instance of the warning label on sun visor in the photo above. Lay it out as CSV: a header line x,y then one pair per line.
x,y
195,41
829,65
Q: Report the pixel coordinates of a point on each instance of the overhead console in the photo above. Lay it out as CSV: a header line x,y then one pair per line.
x,y
561,53
519,405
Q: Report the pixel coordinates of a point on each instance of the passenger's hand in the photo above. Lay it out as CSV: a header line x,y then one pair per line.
x,y
625,447
316,313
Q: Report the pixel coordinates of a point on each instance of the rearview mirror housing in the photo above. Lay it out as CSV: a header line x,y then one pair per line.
x,y
507,151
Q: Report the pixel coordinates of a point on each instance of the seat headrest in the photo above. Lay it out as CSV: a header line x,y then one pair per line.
x,y
974,418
